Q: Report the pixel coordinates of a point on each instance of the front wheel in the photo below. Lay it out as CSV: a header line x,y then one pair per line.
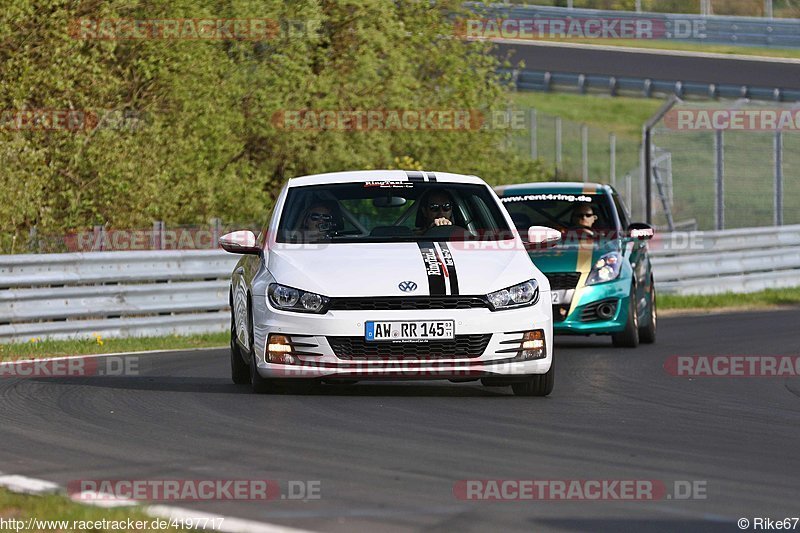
x,y
629,337
538,385
647,333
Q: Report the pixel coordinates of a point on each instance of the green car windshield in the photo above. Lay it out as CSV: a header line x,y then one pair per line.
x,y
562,211
391,211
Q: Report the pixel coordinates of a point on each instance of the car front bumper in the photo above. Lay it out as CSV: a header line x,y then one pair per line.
x,y
582,321
500,331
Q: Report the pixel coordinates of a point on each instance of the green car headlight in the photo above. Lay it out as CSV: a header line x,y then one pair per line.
x,y
606,268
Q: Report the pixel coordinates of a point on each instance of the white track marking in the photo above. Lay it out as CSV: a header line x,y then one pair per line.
x,y
99,499
27,485
655,51
229,524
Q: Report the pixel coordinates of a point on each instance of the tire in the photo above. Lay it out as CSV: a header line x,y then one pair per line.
x,y
538,385
240,371
647,333
629,337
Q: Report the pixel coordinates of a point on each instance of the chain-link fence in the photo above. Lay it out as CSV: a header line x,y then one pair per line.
x,y
573,151
732,165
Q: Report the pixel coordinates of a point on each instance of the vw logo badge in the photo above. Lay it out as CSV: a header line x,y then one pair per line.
x,y
407,286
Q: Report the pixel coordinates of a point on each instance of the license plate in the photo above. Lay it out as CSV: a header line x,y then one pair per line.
x,y
409,330
563,296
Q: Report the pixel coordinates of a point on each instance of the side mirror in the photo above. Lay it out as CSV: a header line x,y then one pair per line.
x,y
641,231
240,242
543,236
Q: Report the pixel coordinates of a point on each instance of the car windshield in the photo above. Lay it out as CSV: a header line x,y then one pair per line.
x,y
586,214
391,211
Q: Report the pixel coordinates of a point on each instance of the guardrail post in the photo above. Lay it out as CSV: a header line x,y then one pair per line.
x,y
778,174
719,173
534,139
585,152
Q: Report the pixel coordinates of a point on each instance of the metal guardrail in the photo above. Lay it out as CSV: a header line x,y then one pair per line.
x,y
116,294
539,80
748,31
740,260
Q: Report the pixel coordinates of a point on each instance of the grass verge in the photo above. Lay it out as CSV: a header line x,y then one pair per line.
x,y
65,515
755,300
49,348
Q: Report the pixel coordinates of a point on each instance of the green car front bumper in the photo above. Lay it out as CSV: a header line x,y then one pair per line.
x,y
582,316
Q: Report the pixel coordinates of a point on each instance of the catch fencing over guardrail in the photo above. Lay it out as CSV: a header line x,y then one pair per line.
x,y
151,293
747,31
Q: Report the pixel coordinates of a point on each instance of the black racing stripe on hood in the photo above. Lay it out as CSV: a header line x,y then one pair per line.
x,y
450,264
432,268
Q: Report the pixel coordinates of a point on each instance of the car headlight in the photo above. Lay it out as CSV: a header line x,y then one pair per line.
x,y
291,299
605,269
519,295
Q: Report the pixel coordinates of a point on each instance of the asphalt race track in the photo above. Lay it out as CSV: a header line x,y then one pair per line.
x,y
387,455
663,65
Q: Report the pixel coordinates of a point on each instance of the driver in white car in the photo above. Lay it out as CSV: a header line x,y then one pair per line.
x,y
436,209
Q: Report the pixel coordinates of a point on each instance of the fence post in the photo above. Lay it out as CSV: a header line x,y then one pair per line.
x,y
719,173
216,232
33,241
157,239
558,144
585,152
778,173
534,139
99,238
612,164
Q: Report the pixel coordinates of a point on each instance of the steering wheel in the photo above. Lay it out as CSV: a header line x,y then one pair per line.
x,y
442,231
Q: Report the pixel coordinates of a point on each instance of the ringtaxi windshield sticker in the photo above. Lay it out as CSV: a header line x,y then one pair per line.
x,y
386,184
539,197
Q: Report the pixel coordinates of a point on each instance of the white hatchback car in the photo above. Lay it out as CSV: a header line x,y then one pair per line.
x,y
390,274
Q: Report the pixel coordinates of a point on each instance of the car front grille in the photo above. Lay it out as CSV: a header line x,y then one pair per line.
x,y
563,280
462,347
402,303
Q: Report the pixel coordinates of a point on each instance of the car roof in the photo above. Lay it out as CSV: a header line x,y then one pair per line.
x,y
382,175
564,187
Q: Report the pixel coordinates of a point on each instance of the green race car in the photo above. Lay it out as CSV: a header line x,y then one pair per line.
x,y
600,274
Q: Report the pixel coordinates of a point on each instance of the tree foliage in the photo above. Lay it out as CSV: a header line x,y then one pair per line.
x,y
197,139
